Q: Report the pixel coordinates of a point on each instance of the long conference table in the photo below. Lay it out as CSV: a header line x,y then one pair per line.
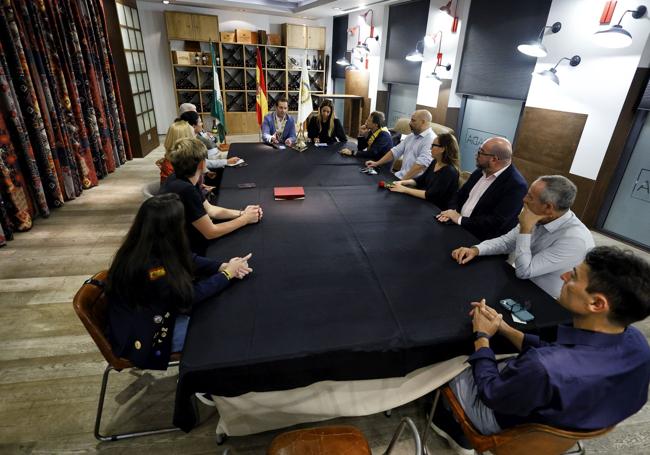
x,y
353,282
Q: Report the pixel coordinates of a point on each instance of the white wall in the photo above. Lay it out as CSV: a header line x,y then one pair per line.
x,y
154,34
598,86
375,58
438,21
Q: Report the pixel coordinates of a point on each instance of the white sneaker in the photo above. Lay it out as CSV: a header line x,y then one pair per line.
x,y
460,450
206,399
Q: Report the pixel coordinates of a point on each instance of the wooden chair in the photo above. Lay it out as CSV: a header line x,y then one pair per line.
x,y
91,305
525,439
335,440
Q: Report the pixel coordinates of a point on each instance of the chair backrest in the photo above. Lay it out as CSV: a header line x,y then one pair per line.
x,y
150,189
463,177
402,126
520,440
91,305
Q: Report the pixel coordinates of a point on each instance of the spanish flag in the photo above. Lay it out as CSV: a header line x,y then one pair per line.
x,y
262,106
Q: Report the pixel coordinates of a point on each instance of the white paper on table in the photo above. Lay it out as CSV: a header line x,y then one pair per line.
x,y
321,144
239,161
517,320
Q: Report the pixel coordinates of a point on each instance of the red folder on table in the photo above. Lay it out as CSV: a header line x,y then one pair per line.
x,y
288,192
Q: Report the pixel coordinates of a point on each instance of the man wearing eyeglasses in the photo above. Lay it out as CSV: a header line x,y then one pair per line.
x,y
549,240
595,375
492,197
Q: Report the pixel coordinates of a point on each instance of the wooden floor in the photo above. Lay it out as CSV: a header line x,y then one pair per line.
x,y
50,370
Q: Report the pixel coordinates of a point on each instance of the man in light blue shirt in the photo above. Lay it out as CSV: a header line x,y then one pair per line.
x,y
415,150
549,239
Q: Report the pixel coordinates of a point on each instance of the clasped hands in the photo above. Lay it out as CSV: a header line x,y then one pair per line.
x,y
448,215
275,140
252,214
485,319
237,267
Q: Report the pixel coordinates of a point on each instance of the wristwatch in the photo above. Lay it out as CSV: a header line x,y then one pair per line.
x,y
478,335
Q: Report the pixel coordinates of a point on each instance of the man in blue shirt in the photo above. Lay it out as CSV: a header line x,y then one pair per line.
x,y
594,376
279,128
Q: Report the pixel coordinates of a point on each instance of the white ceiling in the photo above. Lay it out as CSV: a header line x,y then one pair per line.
x,y
306,9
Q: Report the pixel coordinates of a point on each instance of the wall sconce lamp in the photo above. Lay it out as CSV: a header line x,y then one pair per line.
x,y
363,47
616,36
435,76
363,18
536,48
551,73
416,55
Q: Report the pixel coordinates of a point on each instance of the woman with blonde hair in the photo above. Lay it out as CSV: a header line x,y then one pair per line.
x,y
439,183
178,130
325,127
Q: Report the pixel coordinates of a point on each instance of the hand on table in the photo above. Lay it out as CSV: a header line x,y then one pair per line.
x,y
316,140
288,142
398,187
463,254
274,139
238,267
346,151
252,214
448,215
232,160
371,163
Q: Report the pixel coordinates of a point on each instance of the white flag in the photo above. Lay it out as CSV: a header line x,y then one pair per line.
x,y
305,106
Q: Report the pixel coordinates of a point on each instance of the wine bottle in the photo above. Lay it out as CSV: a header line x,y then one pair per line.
x,y
308,63
320,63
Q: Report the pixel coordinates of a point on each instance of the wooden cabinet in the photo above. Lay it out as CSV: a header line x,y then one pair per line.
x,y
295,36
191,27
303,37
316,38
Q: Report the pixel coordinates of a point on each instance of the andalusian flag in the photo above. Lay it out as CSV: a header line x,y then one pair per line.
x,y
305,106
262,106
219,126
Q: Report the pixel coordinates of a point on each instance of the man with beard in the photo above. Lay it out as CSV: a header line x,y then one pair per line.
x,y
489,203
415,150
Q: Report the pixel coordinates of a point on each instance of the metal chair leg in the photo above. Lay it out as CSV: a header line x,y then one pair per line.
x,y
427,422
100,409
416,437
580,450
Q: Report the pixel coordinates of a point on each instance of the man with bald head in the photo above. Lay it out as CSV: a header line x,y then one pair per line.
x,y
415,149
489,203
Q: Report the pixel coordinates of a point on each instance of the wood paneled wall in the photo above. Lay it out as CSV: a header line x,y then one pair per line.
x,y
546,144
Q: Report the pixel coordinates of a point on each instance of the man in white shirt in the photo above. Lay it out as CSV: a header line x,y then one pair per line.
x,y
549,240
488,204
415,148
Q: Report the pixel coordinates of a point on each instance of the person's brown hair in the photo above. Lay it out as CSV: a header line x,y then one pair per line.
x,y
451,152
186,155
330,128
281,98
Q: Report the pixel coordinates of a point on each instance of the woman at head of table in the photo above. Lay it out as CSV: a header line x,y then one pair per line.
x,y
324,127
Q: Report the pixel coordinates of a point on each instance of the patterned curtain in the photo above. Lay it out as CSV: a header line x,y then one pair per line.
x,y
62,126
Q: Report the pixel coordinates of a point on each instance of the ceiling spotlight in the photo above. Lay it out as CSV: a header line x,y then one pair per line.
x,y
551,73
616,36
535,48
166,2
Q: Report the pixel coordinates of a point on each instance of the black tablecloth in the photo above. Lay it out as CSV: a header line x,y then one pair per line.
x,y
353,282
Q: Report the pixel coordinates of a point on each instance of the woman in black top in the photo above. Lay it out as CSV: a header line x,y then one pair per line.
x,y
439,183
325,127
155,280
